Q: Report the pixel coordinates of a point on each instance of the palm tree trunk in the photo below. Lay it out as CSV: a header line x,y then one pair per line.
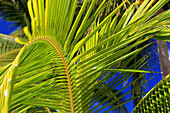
x,y
163,58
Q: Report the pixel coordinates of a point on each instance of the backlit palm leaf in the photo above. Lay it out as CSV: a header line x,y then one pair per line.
x,y
60,67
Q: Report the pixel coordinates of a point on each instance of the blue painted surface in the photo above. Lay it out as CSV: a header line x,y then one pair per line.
x,y
6,27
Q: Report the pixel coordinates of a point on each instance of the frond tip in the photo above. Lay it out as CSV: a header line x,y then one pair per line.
x,y
21,40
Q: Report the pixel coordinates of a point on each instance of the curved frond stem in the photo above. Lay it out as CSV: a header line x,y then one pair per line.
x,y
66,69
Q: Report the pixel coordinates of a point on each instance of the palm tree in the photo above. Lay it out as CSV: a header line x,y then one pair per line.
x,y
64,63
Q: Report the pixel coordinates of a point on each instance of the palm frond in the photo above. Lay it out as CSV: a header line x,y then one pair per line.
x,y
157,99
164,32
9,49
60,66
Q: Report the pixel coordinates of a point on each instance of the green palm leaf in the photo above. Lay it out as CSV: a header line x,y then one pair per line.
x,y
9,49
61,64
157,99
164,32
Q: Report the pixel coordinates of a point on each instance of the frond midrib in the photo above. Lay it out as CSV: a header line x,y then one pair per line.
x,y
65,66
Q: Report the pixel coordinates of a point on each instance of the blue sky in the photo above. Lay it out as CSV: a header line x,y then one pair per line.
x,y
5,27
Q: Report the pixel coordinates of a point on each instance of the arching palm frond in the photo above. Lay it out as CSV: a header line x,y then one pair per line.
x,y
65,64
